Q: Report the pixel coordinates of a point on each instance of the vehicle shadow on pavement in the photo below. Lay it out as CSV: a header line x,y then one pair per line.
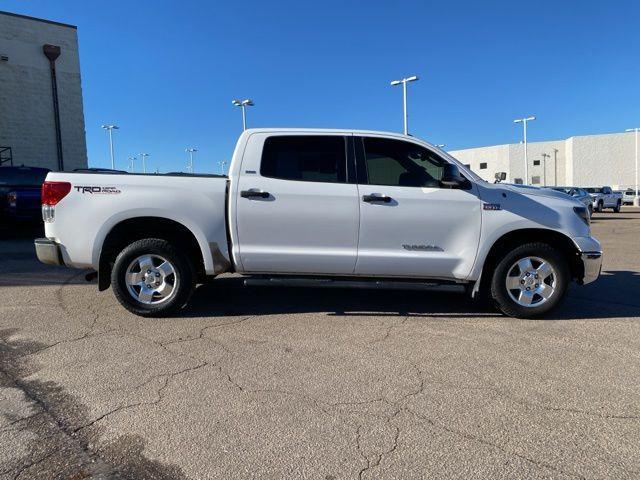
x,y
611,296
228,296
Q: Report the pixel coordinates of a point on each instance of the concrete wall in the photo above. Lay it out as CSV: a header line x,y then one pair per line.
x,y
592,160
26,106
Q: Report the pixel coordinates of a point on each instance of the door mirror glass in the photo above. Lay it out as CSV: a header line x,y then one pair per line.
x,y
501,176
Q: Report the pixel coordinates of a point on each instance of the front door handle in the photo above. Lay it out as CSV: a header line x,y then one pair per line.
x,y
254,194
376,197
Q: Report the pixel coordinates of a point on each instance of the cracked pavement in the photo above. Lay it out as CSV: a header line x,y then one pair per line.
x,y
314,383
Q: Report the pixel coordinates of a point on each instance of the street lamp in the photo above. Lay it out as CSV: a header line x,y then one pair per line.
x,y
544,167
404,82
191,151
110,129
526,159
144,164
222,165
132,163
636,199
243,104
555,166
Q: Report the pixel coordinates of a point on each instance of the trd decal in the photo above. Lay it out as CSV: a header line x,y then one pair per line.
x,y
97,190
491,206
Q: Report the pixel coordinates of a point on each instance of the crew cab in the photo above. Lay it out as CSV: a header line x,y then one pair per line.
x,y
605,197
320,207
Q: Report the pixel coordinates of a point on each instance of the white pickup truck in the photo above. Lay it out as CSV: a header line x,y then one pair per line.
x,y
605,197
320,207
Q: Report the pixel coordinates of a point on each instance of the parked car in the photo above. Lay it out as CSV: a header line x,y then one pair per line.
x,y
627,196
579,194
20,192
325,208
605,197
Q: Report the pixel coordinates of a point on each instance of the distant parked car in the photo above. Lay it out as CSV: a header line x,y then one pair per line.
x,y
627,196
20,192
579,194
604,197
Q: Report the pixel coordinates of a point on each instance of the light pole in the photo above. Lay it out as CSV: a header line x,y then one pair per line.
x,y
222,164
191,151
144,163
544,167
555,166
132,163
636,199
404,82
110,129
526,158
243,104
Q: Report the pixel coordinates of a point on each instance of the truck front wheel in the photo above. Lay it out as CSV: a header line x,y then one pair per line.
x,y
616,209
152,278
530,280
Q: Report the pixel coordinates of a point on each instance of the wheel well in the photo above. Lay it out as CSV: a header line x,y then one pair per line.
x,y
133,229
513,239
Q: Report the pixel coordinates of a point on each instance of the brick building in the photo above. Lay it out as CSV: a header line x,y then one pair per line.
x,y
41,116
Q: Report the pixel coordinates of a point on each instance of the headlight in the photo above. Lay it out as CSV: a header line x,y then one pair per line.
x,y
583,213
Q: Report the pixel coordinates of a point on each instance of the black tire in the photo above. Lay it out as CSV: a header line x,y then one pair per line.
x,y
501,295
599,207
590,208
616,209
184,278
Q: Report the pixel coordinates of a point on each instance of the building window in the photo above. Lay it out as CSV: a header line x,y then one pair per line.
x,y
536,162
517,181
535,180
483,166
468,165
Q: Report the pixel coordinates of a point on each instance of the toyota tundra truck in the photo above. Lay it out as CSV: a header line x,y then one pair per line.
x,y
320,207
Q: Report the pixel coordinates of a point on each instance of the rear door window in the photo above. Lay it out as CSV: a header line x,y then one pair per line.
x,y
306,158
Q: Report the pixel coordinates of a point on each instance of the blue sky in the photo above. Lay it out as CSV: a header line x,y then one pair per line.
x,y
166,71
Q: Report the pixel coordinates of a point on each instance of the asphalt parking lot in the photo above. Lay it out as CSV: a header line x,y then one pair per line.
x,y
300,383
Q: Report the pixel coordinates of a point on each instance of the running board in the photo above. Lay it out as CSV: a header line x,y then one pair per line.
x,y
347,283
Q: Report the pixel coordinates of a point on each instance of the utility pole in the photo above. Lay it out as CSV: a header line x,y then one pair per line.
x,y
544,167
524,122
132,163
222,164
404,82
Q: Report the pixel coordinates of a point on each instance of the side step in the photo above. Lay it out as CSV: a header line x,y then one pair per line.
x,y
374,284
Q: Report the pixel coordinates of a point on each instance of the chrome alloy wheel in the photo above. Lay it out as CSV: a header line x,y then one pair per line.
x,y
531,281
151,279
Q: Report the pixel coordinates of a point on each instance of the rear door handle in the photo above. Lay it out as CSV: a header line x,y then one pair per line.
x,y
254,194
376,197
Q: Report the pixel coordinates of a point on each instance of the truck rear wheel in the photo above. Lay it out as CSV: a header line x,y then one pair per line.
x,y
616,209
152,278
530,281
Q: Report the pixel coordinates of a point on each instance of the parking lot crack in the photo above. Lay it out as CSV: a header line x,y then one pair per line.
x,y
476,438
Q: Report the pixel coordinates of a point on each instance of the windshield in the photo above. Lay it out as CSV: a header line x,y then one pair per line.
x,y
593,190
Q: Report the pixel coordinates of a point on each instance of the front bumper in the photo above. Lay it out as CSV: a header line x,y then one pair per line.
x,y
592,265
48,251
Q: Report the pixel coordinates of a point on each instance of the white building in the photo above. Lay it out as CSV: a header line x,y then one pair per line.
x,y
590,160
37,127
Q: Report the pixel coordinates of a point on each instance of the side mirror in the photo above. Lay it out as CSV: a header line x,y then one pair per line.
x,y
451,176
501,176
